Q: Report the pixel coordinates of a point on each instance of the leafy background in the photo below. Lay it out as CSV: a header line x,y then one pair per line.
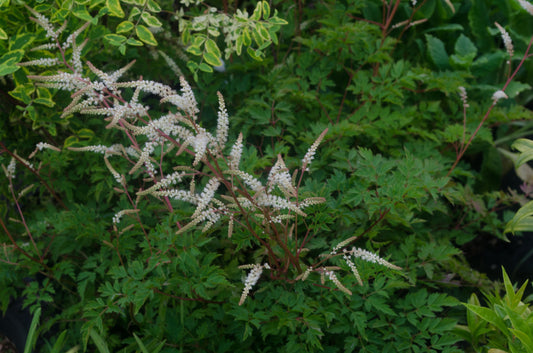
x,y
383,77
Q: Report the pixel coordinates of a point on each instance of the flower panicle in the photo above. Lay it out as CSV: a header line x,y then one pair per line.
x,y
251,279
526,6
310,155
507,41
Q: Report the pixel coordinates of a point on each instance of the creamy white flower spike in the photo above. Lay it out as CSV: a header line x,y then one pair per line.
x,y
464,98
499,95
526,6
507,41
310,155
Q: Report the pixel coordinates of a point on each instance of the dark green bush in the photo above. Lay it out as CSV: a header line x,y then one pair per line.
x,y
408,167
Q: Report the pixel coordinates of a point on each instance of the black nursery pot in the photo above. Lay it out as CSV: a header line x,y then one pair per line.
x,y
15,324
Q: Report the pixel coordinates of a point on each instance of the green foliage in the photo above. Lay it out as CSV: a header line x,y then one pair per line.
x,y
505,324
410,169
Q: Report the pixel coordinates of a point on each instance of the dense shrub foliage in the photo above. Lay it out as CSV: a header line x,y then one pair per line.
x,y
263,176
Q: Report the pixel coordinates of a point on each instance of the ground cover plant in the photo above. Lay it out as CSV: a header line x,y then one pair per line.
x,y
263,176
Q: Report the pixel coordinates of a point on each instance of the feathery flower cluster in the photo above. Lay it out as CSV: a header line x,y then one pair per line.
x,y
371,257
41,62
42,145
223,124
252,278
464,98
10,170
171,63
119,214
499,95
526,6
310,155
279,176
236,152
331,275
152,139
507,41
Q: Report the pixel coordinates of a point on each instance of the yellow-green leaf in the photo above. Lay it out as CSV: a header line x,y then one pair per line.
x,y
125,27
134,13
185,36
115,39
150,20
145,35
262,31
266,10
135,2
86,134
212,59
212,48
153,6
256,15
80,11
239,45
205,68
254,54
134,42
246,39
3,34
8,69
194,50
114,8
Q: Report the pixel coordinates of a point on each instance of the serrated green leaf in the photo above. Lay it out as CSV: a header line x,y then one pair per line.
x,y
153,6
515,88
437,52
150,20
125,27
3,34
211,59
464,46
115,39
145,35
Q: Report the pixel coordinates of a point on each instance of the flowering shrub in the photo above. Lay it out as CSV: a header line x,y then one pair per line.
x,y
170,229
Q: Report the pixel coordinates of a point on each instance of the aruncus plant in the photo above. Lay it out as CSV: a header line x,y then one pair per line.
x,y
169,156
